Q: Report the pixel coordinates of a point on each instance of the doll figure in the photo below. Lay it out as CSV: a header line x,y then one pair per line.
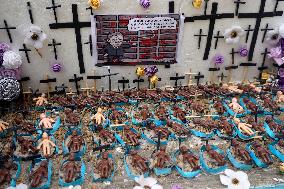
x,y
244,127
232,88
98,117
237,108
76,142
254,88
219,158
279,97
3,125
46,122
241,151
37,176
139,162
70,169
40,100
188,157
105,166
45,145
162,157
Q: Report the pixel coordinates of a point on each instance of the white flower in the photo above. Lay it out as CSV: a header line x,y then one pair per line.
x,y
35,37
11,60
20,186
148,182
233,34
235,180
272,37
119,150
72,187
281,30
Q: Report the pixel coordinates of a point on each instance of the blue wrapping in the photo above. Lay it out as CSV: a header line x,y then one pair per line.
x,y
130,173
14,179
256,160
236,163
276,152
232,113
202,134
162,171
95,179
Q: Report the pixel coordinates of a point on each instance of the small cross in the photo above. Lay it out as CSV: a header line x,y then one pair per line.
x,y
91,44
265,31
138,81
123,81
233,52
109,78
26,50
7,28
176,78
222,76
54,7
90,9
200,35
217,37
48,80
205,6
30,11
95,78
54,44
238,2
256,112
76,80
198,77
263,62
248,32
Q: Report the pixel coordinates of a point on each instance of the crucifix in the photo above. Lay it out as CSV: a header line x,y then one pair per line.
x,y
54,44
7,28
217,37
123,81
91,44
176,79
262,68
76,25
54,7
205,6
258,16
233,66
30,11
109,78
238,3
190,74
138,81
265,31
48,81
26,50
245,70
76,80
213,70
248,30
212,19
91,9
200,35
256,112
198,77
222,76
95,78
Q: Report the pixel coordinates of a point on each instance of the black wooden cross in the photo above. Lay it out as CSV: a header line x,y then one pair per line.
x,y
109,78
138,81
198,77
238,2
263,62
212,18
205,6
256,112
101,147
176,79
171,7
233,52
54,7
30,12
217,37
222,76
54,44
123,81
258,16
76,80
94,77
265,31
26,50
248,32
276,5
200,35
90,9
7,28
76,25
91,44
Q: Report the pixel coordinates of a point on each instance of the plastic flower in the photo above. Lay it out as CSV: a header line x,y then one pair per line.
x,y
11,60
35,37
243,51
148,182
235,180
3,48
95,4
150,71
233,34
145,3
20,186
272,37
218,59
276,54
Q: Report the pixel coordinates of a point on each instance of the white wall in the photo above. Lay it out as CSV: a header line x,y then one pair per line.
x,y
16,14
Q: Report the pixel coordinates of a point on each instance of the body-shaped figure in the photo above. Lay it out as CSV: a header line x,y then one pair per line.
x,y
164,132
249,104
198,106
177,128
38,175
3,125
188,157
76,142
232,88
145,114
218,105
273,126
106,135
279,97
45,145
262,153
5,175
254,88
219,158
46,122
268,103
28,127
98,117
161,157
161,113
40,100
27,145
72,117
244,127
236,107
105,166
225,125
138,162
240,151
256,126
70,169
130,136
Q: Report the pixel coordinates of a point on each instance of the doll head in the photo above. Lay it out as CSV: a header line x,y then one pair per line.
x,y
44,135
42,116
234,100
115,39
279,93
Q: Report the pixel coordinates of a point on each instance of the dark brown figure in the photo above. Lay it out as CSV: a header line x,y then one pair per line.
x,y
241,152
105,166
38,175
138,162
177,128
225,125
190,158
162,157
71,117
76,142
255,126
70,169
273,126
27,145
5,175
219,158
218,105
130,136
262,153
106,135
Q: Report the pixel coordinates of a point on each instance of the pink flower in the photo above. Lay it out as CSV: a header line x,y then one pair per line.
x,y
275,52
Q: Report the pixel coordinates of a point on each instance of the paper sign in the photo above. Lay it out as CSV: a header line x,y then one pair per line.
x,y
156,23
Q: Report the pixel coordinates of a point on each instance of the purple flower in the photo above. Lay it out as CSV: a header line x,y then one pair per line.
x,y
281,72
176,186
150,71
218,59
243,51
275,52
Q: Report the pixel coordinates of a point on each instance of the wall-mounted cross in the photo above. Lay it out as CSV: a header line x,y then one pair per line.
x,y
212,19
76,80
90,44
91,9
48,81
176,79
238,3
217,37
26,50
54,7
258,16
109,78
123,81
265,31
95,78
233,66
54,44
262,68
200,35
213,70
76,25
248,32
205,7
138,81
198,77
7,28
222,76
30,12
